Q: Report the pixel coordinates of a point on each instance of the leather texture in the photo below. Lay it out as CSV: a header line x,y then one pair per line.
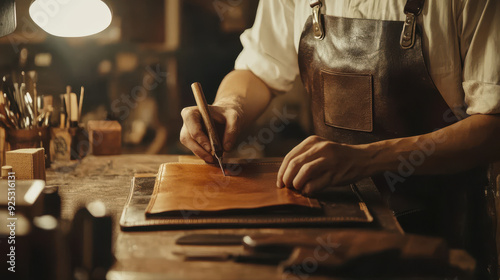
x,y
338,90
414,6
405,102
211,239
364,253
202,187
341,206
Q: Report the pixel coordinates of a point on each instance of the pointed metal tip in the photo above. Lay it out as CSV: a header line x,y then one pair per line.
x,y
220,164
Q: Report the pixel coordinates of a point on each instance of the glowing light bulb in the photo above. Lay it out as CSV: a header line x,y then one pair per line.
x,y
71,18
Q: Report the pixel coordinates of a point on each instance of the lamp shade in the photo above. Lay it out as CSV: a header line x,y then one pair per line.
x,y
71,18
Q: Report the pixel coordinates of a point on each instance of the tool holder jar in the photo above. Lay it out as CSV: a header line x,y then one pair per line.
x,y
30,138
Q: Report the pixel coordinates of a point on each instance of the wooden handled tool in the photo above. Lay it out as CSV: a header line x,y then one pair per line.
x,y
68,105
80,104
35,106
201,102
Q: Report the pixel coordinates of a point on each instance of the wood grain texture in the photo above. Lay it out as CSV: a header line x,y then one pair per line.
x,y
249,186
105,137
148,255
28,164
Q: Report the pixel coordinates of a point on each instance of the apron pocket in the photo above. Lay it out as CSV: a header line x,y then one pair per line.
x,y
348,100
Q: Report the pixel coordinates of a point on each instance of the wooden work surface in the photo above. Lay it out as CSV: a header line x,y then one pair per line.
x,y
148,255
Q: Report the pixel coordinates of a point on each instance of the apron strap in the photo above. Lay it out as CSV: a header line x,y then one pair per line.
x,y
413,8
319,31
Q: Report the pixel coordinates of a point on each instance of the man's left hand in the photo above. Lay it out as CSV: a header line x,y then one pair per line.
x,y
317,163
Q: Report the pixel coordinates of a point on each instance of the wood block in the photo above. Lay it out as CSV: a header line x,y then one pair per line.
x,y
30,138
105,137
27,163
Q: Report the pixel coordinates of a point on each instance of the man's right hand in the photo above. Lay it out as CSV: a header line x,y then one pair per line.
x,y
241,98
194,137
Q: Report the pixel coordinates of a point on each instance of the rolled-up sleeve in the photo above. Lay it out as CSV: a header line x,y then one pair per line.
x,y
479,25
268,47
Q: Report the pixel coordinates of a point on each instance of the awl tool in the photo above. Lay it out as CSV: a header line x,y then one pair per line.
x,y
201,102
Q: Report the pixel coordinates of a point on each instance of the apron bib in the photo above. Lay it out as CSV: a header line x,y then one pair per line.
x,y
367,81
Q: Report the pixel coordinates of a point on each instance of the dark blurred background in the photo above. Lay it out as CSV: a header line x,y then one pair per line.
x,y
139,70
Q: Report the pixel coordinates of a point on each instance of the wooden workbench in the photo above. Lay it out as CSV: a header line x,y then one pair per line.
x,y
148,255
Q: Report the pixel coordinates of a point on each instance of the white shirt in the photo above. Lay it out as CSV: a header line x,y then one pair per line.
x,y
461,44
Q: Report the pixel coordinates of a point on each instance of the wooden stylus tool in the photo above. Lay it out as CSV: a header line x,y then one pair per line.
x,y
201,102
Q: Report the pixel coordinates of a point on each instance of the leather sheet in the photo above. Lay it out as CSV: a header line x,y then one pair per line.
x,y
248,188
339,207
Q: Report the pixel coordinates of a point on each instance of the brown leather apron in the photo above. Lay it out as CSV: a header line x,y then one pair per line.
x,y
367,82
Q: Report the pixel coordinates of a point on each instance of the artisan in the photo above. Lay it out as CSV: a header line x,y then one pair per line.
x,y
406,92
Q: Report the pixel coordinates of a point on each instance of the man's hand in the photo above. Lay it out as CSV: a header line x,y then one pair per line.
x,y
193,135
241,98
317,163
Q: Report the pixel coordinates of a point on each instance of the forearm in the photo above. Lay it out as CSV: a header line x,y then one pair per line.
x,y
458,147
243,90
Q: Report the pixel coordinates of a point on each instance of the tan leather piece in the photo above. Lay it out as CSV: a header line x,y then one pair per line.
x,y
348,100
202,187
341,206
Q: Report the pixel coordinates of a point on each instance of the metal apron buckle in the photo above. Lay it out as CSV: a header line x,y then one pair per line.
x,y
413,8
319,32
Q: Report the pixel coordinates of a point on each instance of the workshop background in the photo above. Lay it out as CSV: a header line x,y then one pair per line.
x,y
138,71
